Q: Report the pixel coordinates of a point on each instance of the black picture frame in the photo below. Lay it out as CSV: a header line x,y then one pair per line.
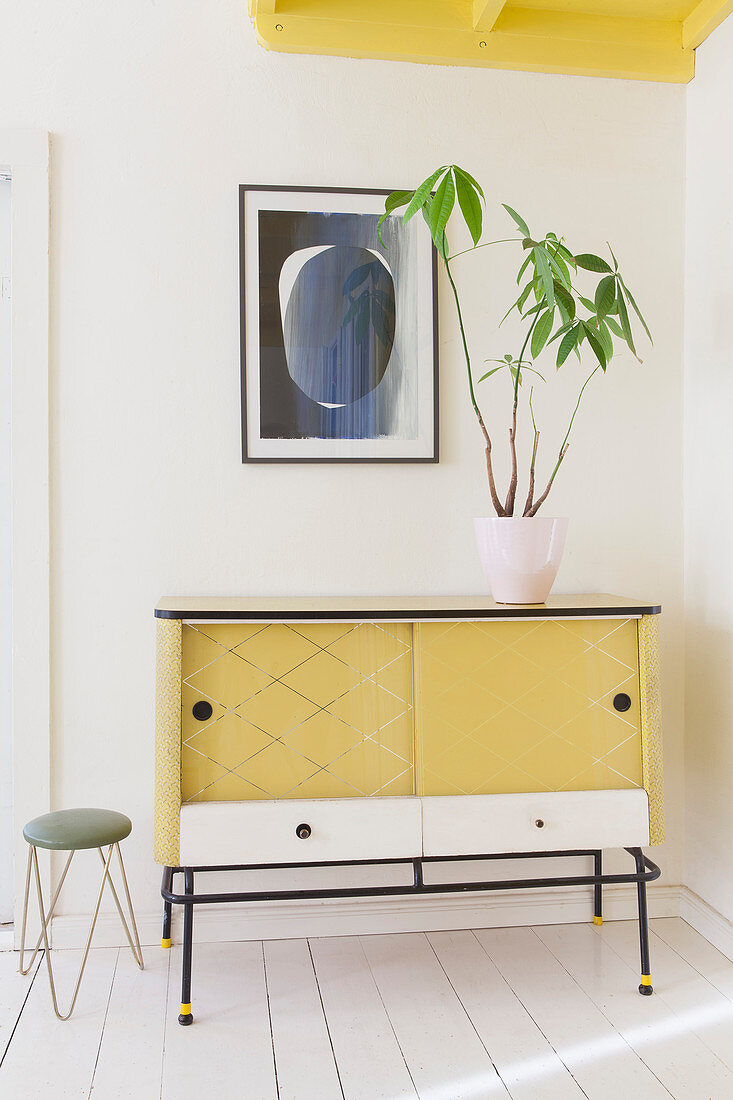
x,y
247,455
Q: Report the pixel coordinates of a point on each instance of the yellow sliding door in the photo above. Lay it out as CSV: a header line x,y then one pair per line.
x,y
300,710
518,706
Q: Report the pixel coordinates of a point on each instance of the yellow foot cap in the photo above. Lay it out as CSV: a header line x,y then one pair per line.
x,y
646,979
166,943
185,1010
598,920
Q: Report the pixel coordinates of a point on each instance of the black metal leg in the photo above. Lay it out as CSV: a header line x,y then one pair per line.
x,y
598,888
186,1016
166,924
645,987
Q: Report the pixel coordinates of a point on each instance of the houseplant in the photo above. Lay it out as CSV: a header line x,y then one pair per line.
x,y
521,551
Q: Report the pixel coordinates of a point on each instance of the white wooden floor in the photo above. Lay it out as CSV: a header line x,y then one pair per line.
x,y
549,1012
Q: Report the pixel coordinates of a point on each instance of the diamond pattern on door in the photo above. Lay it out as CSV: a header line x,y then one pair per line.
x,y
526,706
321,710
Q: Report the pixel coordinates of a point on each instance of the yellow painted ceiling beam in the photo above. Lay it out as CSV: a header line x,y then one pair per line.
x,y
441,33
485,13
703,20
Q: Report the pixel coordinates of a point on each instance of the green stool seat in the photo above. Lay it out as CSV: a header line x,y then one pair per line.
x,y
70,830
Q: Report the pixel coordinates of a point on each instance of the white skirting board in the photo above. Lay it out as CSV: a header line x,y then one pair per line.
x,y
365,916
711,924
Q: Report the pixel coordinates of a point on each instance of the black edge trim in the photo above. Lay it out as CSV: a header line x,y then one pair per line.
x,y
414,616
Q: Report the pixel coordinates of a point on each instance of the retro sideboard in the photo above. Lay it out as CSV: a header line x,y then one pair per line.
x,y
294,732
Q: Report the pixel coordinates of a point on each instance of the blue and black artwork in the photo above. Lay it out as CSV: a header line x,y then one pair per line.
x,y
336,311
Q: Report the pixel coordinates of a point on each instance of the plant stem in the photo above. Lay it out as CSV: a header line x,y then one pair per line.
x,y
486,244
512,491
489,469
563,447
535,445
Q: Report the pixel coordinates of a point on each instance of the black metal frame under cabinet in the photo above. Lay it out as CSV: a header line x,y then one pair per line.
x,y
646,871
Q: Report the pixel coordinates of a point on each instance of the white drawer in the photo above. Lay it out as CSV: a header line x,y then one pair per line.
x,y
218,833
480,824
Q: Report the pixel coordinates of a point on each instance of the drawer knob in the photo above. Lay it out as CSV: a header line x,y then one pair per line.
x,y
202,710
540,823
622,701
303,831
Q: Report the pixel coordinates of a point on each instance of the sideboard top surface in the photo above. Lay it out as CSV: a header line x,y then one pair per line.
x,y
409,608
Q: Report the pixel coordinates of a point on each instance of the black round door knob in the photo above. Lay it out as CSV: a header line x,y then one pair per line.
x,y
540,823
303,831
202,710
622,701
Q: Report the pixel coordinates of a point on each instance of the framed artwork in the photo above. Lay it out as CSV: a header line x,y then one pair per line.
x,y
338,330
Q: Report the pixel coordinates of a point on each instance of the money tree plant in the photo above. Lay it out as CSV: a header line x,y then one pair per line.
x,y
557,316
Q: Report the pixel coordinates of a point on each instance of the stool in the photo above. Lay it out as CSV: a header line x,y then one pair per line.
x,y
71,831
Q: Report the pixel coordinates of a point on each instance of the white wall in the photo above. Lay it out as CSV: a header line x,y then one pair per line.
x,y
6,744
157,113
708,476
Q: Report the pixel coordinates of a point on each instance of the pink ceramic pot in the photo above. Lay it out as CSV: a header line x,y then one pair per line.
x,y
520,557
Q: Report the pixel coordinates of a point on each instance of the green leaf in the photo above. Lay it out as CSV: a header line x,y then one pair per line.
x,y
567,344
623,314
560,269
561,331
636,309
566,254
542,267
441,244
392,202
541,332
565,302
606,340
471,180
397,199
523,268
441,206
589,262
489,373
605,295
614,326
524,295
519,222
470,205
596,345
587,303
421,195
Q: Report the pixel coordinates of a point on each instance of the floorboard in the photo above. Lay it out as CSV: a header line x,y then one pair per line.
x,y
130,1059
445,1056
15,988
303,1055
371,1064
522,1054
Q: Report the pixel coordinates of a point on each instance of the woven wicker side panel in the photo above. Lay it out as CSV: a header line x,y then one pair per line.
x,y
168,742
652,766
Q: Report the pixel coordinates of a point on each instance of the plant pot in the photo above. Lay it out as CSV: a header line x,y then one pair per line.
x,y
520,557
